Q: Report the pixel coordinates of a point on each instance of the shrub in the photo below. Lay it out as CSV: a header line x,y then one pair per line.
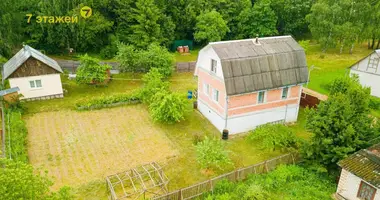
x,y
274,136
212,154
305,44
374,103
153,83
107,101
18,180
16,133
108,52
90,71
167,107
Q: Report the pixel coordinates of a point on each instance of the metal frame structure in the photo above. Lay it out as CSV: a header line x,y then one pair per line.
x,y
137,182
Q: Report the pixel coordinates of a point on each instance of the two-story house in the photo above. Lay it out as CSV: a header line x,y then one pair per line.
x,y
246,83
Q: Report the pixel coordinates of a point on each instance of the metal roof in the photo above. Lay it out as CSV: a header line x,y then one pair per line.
x,y
271,62
364,164
20,57
8,91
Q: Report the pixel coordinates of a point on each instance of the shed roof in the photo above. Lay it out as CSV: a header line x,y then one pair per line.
x,y
8,91
249,66
21,56
371,67
364,164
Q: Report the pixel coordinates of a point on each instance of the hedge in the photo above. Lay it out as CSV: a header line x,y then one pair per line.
x,y
109,101
16,141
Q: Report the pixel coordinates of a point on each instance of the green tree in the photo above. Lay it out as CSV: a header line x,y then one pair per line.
x,y
257,20
210,27
153,83
19,181
90,71
168,107
211,154
341,124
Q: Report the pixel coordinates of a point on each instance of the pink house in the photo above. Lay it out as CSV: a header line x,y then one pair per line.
x,y
246,83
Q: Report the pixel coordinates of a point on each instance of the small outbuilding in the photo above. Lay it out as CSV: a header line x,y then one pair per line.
x,y
368,70
35,74
360,176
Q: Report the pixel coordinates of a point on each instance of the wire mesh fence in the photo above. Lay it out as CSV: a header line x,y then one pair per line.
x,y
199,189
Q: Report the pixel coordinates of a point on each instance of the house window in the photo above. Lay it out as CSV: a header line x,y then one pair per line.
x,y
206,88
35,84
213,65
215,95
284,94
366,191
261,97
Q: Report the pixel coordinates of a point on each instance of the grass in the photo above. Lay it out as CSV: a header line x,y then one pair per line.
x,y
192,56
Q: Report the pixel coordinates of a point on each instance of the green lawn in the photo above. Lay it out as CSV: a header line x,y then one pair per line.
x,y
192,56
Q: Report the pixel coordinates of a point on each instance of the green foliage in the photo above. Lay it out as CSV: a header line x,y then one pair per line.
x,y
210,27
110,50
257,20
153,83
374,103
341,124
18,180
90,71
274,136
134,60
211,154
305,44
285,182
168,107
16,136
107,101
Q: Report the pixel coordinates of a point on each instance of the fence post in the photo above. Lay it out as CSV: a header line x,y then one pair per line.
x,y
266,167
180,194
236,175
292,158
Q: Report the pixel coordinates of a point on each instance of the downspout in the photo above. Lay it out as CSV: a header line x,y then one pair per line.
x,y
2,112
226,112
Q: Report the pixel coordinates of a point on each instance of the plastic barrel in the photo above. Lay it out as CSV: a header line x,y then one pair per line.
x,y
225,134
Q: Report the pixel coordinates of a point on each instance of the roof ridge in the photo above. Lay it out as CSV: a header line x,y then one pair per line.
x,y
248,39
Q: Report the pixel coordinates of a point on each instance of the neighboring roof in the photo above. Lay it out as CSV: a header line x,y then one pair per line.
x,y
8,91
365,68
20,57
365,164
271,63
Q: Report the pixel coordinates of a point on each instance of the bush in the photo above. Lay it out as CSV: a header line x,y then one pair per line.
x,y
153,83
16,133
107,101
305,44
211,154
168,107
374,103
90,71
18,180
108,52
274,136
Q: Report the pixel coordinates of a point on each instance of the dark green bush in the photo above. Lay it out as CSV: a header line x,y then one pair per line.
x,y
108,101
374,103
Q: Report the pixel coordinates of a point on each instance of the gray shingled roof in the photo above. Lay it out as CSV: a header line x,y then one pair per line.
x,y
20,57
274,62
364,164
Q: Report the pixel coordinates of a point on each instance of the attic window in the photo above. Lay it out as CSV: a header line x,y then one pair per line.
x,y
213,65
366,191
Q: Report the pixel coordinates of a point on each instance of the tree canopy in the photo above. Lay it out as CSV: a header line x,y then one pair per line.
x,y
90,71
210,27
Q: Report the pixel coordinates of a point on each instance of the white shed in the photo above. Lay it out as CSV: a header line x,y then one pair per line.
x,y
368,70
37,75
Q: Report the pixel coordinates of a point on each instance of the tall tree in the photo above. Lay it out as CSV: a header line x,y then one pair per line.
x,y
210,27
258,20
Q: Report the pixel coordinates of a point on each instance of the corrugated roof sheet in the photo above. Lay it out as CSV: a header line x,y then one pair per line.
x,y
8,91
364,164
20,57
274,62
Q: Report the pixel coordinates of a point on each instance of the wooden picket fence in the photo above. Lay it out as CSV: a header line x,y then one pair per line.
x,y
199,189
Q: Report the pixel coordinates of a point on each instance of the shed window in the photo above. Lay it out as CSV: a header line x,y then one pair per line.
x,y
261,97
215,95
35,84
284,94
213,65
366,191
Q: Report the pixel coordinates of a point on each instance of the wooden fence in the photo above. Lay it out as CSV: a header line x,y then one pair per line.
x,y
185,66
200,189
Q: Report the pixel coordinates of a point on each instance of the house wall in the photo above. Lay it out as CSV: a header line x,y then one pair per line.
x,y
244,113
348,186
51,85
369,80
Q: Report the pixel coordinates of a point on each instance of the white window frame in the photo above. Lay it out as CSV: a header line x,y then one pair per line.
x,y
35,84
215,95
364,184
213,68
287,94
264,97
206,89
